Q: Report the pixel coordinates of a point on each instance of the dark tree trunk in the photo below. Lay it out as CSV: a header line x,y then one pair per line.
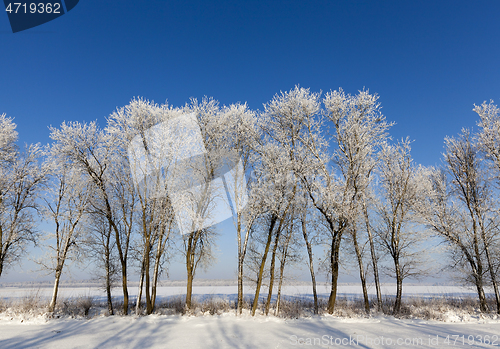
x,y
491,269
334,262
399,287
271,272
139,295
189,270
483,305
361,270
107,262
149,306
263,263
373,257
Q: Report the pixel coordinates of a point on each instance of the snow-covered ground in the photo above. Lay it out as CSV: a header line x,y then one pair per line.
x,y
230,331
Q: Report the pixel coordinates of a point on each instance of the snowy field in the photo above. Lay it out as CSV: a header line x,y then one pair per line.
x,y
230,331
229,291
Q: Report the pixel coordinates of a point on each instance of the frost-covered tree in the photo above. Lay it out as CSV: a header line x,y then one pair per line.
x,y
8,154
21,179
287,122
464,213
8,138
144,147
334,169
403,189
202,200
292,140
92,152
66,205
360,132
308,225
231,135
489,136
489,142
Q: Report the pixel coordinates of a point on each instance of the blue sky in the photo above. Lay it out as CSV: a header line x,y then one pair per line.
x,y
429,61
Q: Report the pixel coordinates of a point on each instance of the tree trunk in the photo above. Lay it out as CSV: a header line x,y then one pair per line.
x,y
2,251
59,269
482,297
479,271
124,288
239,307
53,301
478,278
282,268
311,266
271,272
242,249
491,269
278,300
189,290
121,254
361,270
263,263
149,307
399,287
374,258
107,262
189,269
141,285
334,262
139,293
494,282
159,252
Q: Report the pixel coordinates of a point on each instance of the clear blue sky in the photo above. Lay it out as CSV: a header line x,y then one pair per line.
x,y
429,61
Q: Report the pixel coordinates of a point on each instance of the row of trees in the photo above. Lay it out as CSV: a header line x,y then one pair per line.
x,y
309,174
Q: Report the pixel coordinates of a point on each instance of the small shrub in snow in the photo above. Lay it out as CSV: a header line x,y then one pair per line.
x,y
74,307
215,306
31,302
295,308
171,306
